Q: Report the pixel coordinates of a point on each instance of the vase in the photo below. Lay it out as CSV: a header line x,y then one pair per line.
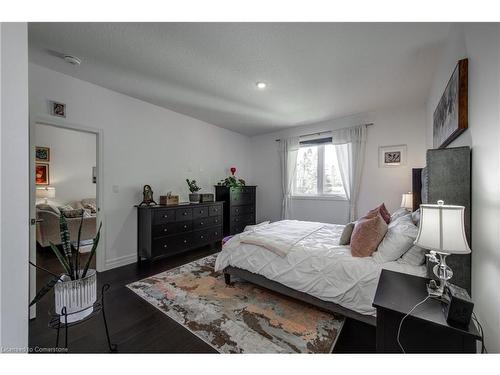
x,y
194,198
78,296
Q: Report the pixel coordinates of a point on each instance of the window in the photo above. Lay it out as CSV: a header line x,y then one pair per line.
x,y
317,172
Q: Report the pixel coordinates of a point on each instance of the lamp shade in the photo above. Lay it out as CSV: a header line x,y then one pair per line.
x,y
47,192
407,201
442,228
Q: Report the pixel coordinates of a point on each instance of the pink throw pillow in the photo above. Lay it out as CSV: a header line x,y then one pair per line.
x,y
367,234
386,215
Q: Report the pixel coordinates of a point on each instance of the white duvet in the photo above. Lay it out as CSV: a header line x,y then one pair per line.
x,y
316,265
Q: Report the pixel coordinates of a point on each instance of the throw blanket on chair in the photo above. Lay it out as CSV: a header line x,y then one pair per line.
x,y
280,237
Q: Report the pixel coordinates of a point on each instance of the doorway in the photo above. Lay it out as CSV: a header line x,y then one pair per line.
x,y
66,179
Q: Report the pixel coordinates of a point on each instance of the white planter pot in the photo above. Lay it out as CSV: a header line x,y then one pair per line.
x,y
78,296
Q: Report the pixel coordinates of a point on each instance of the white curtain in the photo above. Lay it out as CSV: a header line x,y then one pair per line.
x,y
288,155
350,144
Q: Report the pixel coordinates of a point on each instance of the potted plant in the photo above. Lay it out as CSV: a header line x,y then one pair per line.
x,y
76,289
194,197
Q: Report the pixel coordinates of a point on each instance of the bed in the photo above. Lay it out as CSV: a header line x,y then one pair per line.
x,y
317,269
320,272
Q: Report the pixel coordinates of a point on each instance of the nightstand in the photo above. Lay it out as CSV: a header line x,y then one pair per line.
x,y
425,330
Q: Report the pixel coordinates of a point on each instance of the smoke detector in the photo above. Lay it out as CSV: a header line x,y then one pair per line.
x,y
73,60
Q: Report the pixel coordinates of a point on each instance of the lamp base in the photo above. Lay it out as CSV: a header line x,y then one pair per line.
x,y
442,271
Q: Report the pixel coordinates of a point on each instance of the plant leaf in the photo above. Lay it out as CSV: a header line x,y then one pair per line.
x,y
45,289
77,255
61,258
66,243
92,252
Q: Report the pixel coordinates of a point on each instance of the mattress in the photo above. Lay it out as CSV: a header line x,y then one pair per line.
x,y
318,266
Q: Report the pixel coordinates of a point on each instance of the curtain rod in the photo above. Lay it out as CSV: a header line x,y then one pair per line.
x,y
323,132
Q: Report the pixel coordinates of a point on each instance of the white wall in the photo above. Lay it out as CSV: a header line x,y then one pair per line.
x,y
143,144
392,126
14,204
480,43
72,156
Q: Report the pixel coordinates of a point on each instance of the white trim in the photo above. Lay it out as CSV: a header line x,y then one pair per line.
x,y
63,123
120,261
332,197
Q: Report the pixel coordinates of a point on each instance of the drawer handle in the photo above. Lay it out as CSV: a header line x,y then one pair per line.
x,y
165,216
165,230
216,233
185,213
216,221
237,210
185,241
216,210
201,211
185,226
201,223
164,246
201,237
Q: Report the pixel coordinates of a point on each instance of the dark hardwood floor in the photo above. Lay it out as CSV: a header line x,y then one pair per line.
x,y
138,327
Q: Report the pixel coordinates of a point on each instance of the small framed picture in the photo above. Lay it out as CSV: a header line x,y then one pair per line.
x,y
42,154
392,156
58,109
42,174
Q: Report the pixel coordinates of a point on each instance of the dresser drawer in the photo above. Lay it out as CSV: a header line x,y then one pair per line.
x,y
201,223
243,219
173,244
200,212
184,226
242,210
215,210
162,230
182,214
216,234
242,198
243,189
164,246
203,237
215,220
163,216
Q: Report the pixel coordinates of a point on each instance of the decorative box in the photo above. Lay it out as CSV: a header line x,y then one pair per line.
x,y
204,198
169,200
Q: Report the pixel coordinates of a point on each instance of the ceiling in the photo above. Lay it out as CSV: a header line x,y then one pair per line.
x,y
314,71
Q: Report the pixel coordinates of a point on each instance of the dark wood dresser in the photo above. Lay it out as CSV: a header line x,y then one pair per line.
x,y
169,230
239,207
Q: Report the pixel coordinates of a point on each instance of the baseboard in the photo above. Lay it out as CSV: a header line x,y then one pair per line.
x,y
120,261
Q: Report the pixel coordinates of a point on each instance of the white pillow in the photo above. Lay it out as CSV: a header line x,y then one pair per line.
x,y
253,227
415,216
399,238
399,213
415,256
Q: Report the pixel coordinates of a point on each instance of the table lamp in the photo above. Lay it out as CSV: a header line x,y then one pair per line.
x,y
407,201
46,192
442,232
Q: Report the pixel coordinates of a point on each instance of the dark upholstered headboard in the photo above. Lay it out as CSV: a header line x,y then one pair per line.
x,y
447,176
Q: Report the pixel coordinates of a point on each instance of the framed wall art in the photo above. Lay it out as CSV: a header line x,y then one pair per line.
x,y
42,154
451,114
392,156
42,174
58,109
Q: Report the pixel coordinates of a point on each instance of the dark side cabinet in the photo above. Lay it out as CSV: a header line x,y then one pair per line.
x,y
239,207
425,330
169,230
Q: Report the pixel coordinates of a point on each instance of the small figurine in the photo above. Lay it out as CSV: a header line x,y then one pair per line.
x,y
147,196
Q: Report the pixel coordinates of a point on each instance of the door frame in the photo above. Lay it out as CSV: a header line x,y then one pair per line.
x,y
63,124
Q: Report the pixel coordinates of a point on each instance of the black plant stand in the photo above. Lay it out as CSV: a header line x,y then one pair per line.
x,y
55,320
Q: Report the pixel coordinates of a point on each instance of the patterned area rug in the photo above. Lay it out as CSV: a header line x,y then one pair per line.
x,y
241,318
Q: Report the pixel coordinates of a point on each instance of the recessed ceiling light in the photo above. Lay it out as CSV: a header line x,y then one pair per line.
x,y
73,60
261,85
